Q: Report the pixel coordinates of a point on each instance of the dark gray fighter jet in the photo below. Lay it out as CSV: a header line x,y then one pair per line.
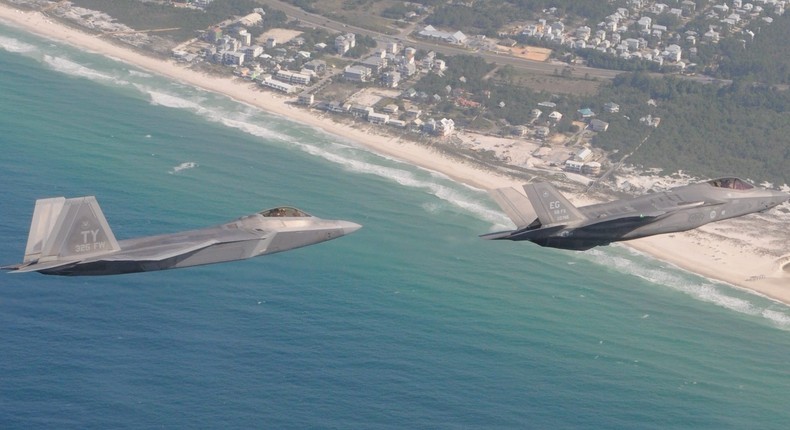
x,y
547,218
72,237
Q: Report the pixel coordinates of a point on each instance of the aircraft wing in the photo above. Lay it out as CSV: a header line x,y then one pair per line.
x,y
653,213
156,253
151,253
164,247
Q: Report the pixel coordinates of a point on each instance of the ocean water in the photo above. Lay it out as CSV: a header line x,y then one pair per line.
x,y
411,322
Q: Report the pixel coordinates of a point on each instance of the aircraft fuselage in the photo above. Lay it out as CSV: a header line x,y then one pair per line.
x,y
679,209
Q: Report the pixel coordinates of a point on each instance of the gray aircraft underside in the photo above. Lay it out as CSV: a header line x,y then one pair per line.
x,y
72,237
546,218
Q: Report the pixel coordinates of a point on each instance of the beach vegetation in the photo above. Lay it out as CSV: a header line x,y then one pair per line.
x,y
397,11
358,13
185,22
737,129
305,5
705,129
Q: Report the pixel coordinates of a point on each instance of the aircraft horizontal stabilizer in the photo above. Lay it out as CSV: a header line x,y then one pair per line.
x,y
497,235
36,267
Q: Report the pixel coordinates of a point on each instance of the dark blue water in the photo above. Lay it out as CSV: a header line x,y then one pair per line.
x,y
412,322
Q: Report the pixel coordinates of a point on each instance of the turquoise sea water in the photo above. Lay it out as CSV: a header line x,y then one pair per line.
x,y
412,322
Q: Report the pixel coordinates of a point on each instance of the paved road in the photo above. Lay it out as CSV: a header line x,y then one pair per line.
x,y
519,63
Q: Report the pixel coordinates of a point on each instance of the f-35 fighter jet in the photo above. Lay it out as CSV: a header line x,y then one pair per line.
x,y
72,237
547,218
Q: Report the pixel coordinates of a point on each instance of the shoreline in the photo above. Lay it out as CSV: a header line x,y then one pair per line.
x,y
708,251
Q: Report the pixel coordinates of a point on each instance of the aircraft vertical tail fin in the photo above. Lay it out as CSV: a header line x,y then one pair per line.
x,y
63,229
551,206
516,206
45,215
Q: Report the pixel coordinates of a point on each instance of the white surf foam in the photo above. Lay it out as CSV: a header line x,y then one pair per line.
x,y
238,120
677,279
336,152
779,318
64,65
183,166
168,100
139,74
253,129
408,179
13,45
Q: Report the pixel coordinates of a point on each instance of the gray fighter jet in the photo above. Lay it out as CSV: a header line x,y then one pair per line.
x,y
547,218
72,237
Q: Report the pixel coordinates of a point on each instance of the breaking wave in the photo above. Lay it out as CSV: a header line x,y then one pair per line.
x,y
409,179
63,65
183,166
697,287
238,120
349,157
12,45
139,74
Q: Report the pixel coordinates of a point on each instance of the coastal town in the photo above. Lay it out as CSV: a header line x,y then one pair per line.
x,y
391,94
315,69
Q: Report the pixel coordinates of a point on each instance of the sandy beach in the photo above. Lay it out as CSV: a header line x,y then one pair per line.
x,y
743,252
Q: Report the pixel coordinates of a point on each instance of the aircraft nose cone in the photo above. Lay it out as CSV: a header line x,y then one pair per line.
x,y
349,227
775,198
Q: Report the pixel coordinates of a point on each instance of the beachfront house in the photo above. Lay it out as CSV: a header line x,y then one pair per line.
x,y
573,166
598,125
356,74
252,19
378,118
277,85
430,32
233,58
292,77
407,69
584,154
390,109
345,42
585,113
318,66
361,111
305,99
390,79
374,63
592,168
519,130
443,127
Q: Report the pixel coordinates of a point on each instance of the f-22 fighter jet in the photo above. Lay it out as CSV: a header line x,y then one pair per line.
x,y
72,237
547,218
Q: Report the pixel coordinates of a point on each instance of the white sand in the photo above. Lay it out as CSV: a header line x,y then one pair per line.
x,y
751,264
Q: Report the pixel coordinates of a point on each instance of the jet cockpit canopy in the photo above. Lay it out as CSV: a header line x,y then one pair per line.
x,y
731,183
284,212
